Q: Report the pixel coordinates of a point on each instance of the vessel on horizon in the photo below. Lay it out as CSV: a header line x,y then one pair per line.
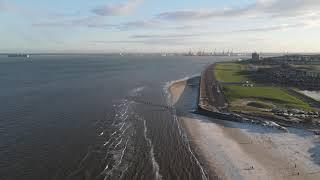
x,y
19,55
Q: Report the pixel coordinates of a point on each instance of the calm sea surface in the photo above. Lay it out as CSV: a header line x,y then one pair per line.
x,y
94,117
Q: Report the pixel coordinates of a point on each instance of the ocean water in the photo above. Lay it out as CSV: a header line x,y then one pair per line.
x,y
94,117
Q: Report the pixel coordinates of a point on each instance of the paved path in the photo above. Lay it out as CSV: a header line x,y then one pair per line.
x,y
211,97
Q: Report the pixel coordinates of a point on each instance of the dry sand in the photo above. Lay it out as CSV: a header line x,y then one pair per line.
x,y
246,151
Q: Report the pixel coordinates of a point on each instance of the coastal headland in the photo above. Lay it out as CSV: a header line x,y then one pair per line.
x,y
233,146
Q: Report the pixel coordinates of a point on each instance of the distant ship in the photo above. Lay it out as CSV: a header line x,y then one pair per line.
x,y
19,55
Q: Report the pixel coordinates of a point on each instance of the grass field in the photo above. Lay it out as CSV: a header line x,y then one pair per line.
x,y
259,105
310,67
230,72
274,95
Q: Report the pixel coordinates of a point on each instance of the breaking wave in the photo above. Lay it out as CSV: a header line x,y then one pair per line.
x,y
155,165
181,130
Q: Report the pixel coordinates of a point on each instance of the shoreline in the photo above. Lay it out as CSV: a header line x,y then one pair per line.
x,y
233,150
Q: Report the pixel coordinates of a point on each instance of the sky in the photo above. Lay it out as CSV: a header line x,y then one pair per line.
x,y
103,26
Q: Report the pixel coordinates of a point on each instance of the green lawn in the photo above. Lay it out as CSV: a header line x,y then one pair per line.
x,y
274,95
310,67
230,72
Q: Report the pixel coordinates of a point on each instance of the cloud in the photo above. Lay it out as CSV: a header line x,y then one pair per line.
x,y
62,14
10,7
91,21
272,28
118,9
98,22
15,8
305,9
157,42
271,8
281,27
289,8
164,36
186,15
140,24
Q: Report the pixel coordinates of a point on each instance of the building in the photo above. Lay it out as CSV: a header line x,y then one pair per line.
x,y
255,56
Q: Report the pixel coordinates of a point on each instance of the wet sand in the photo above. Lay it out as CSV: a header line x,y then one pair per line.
x,y
234,150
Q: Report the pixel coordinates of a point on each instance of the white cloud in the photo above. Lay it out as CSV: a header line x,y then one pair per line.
x,y
281,27
161,42
10,7
140,24
118,9
91,21
288,8
261,8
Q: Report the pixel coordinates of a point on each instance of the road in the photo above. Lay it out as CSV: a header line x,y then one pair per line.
x,y
211,96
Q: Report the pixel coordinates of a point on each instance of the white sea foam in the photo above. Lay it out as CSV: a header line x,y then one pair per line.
x,y
123,172
155,165
107,142
182,132
184,136
120,120
122,126
117,144
123,152
136,91
108,173
114,133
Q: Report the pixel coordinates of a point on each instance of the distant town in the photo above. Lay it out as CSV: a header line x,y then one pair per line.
x,y
223,53
300,71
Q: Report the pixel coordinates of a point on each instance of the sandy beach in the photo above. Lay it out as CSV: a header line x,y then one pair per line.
x,y
234,150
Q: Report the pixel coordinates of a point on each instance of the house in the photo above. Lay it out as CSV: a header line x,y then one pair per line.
x,y
255,56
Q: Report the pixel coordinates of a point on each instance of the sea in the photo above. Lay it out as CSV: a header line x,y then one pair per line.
x,y
95,117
